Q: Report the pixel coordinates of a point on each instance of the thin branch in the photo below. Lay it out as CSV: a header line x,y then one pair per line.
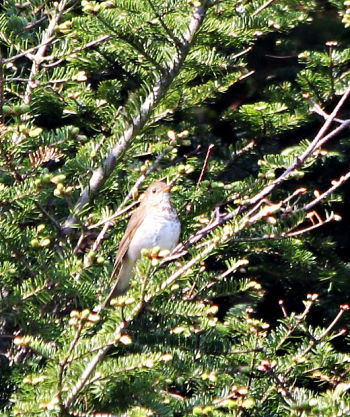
x,y
206,162
297,323
40,53
79,49
208,285
64,362
317,109
335,184
325,332
1,89
262,7
36,23
27,52
176,41
308,229
116,214
101,174
48,215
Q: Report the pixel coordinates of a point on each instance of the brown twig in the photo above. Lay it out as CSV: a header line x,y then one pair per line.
x,y
317,109
326,331
300,319
48,215
205,164
335,184
63,364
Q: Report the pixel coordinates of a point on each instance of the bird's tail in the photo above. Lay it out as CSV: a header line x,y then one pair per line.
x,y
122,282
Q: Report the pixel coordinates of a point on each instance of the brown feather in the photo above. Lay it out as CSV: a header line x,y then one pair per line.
x,y
134,222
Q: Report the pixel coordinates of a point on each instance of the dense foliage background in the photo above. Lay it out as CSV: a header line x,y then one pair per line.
x,y
246,105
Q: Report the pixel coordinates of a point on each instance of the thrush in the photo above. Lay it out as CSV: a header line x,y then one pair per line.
x,y
154,223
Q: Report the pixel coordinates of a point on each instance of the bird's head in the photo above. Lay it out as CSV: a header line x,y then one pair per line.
x,y
157,193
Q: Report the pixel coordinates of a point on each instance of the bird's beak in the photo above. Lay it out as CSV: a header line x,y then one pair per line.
x,y
167,189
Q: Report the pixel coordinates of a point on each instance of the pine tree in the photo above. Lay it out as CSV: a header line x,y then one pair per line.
x,y
246,316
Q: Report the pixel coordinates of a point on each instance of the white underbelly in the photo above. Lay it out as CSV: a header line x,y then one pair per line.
x,y
153,233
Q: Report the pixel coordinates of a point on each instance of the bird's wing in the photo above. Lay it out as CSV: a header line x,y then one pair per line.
x,y
134,222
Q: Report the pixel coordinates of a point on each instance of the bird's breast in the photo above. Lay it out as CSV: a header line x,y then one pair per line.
x,y
154,231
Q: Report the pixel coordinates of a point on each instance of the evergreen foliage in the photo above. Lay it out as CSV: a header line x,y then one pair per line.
x,y
246,105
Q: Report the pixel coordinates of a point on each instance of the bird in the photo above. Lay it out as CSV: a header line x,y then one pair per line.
x,y
154,223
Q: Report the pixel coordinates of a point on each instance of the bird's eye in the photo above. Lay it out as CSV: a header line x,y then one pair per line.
x,y
154,190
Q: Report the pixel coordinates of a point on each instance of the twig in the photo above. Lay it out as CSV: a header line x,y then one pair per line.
x,y
296,324
205,164
308,229
317,109
315,144
336,184
116,214
1,89
63,365
208,285
176,41
252,362
101,174
48,215
36,23
94,248
28,51
262,7
239,54
283,308
76,50
326,331
80,241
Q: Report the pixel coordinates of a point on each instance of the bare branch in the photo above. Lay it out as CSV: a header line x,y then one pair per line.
x,y
335,185
206,162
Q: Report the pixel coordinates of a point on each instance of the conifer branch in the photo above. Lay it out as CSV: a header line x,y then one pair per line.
x,y
335,184
26,52
319,140
133,43
47,38
101,174
262,7
176,41
76,50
